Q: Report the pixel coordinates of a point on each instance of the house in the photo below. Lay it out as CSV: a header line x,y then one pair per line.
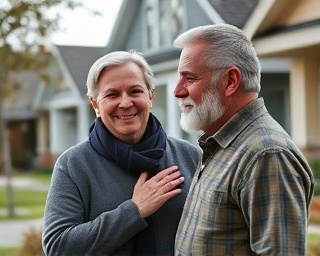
x,y
285,33
291,29
21,119
64,112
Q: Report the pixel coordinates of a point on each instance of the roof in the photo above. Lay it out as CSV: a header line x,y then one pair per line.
x,y
20,103
234,12
78,60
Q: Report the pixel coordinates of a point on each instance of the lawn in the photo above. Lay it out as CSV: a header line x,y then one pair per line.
x,y
29,204
43,175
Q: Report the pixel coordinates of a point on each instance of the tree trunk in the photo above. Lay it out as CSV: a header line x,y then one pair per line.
x,y
6,160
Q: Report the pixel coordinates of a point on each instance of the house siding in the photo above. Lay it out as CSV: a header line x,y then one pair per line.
x,y
196,16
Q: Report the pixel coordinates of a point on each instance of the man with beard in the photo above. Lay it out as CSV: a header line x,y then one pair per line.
x,y
252,194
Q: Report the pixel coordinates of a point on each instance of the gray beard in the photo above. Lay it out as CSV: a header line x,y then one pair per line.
x,y
208,111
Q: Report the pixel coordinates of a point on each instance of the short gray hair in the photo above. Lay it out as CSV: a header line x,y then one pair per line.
x,y
114,59
228,46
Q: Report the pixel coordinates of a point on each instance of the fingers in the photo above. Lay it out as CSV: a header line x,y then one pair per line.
x,y
169,183
165,172
142,179
167,179
150,195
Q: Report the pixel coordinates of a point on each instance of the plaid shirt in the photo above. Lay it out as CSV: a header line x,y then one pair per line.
x,y
251,195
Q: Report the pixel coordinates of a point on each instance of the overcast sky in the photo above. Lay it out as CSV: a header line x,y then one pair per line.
x,y
79,27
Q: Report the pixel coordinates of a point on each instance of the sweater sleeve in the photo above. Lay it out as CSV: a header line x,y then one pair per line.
x,y
66,232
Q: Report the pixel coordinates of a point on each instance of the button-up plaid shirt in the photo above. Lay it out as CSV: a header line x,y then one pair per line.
x,y
252,193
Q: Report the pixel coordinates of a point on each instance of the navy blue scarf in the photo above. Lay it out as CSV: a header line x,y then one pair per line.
x,y
134,159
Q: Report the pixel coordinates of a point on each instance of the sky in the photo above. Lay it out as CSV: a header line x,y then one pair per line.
x,y
80,27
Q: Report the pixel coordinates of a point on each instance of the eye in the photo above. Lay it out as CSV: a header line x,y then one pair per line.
x,y
190,78
137,91
111,95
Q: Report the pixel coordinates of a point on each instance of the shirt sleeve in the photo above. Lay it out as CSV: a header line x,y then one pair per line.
x,y
66,233
275,200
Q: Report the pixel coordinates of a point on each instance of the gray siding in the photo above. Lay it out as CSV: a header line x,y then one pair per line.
x,y
135,37
196,16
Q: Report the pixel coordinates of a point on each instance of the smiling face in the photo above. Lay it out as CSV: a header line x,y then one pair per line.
x,y
124,102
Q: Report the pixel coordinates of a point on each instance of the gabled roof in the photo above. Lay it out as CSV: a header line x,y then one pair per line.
x,y
234,12
20,103
126,15
78,60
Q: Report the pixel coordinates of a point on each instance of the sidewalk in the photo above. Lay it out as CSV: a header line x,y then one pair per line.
x,y
12,232
24,183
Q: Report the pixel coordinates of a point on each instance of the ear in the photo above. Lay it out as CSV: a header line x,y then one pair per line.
x,y
93,102
94,105
233,80
151,94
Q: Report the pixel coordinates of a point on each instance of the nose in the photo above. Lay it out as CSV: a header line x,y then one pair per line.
x,y
181,91
125,101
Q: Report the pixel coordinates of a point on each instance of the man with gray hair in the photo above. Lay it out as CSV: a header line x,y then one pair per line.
x,y
252,194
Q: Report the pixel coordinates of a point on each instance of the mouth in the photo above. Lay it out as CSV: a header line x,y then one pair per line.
x,y
185,106
126,117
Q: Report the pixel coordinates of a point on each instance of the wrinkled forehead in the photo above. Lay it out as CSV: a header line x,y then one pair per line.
x,y
196,50
193,54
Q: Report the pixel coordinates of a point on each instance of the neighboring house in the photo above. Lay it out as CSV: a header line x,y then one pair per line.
x,y
64,111
291,29
285,33
21,120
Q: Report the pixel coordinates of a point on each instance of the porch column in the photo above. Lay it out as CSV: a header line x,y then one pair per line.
x,y
44,157
83,120
42,134
173,115
304,101
55,139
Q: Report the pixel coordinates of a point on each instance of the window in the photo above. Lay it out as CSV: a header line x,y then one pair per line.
x,y
164,20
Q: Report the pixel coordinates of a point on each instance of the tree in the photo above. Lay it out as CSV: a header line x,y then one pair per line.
x,y
24,27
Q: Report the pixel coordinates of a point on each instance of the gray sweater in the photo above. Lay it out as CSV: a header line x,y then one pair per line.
x,y
89,210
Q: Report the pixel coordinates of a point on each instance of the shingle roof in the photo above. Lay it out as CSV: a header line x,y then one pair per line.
x,y
234,12
78,60
20,103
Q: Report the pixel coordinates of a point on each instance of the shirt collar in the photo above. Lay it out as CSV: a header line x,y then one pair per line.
x,y
236,124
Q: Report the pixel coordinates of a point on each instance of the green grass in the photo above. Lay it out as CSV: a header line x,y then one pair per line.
x,y
28,204
314,238
313,244
315,166
43,175
9,251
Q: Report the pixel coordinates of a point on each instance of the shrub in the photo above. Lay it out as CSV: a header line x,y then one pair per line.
x,y
314,249
32,243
